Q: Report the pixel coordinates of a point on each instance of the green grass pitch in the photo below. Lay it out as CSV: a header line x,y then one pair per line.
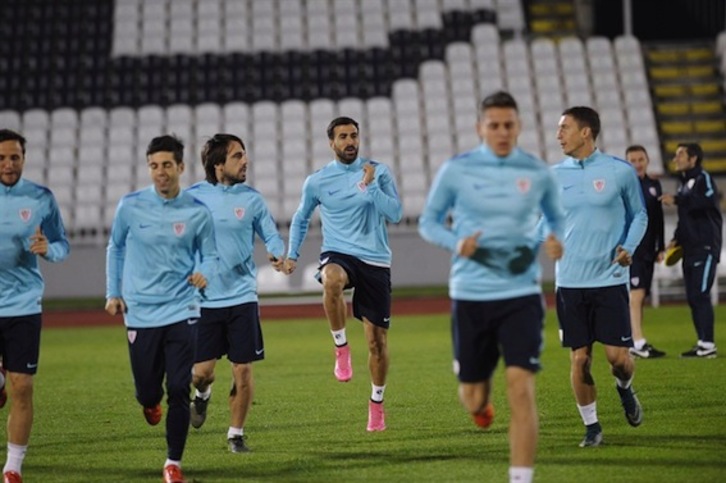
x,y
305,426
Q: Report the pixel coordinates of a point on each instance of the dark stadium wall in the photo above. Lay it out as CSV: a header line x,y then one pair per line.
x,y
672,20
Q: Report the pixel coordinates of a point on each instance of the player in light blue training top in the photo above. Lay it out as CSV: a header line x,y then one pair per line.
x,y
495,195
605,220
230,321
158,233
356,197
30,225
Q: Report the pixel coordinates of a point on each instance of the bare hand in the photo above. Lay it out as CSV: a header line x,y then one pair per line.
x,y
667,199
369,173
39,245
467,246
622,257
553,247
289,266
115,305
277,263
197,280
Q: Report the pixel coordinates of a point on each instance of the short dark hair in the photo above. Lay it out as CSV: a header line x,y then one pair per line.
x,y
214,153
636,147
340,121
498,99
10,135
693,149
167,143
585,117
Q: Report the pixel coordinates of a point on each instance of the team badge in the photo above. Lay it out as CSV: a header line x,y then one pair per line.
x,y
690,183
635,281
239,213
25,214
179,228
652,191
131,335
599,184
362,186
523,185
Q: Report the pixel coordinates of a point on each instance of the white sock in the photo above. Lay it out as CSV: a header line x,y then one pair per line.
x,y
707,345
588,413
520,474
638,344
624,384
232,432
172,462
377,393
14,461
205,394
339,337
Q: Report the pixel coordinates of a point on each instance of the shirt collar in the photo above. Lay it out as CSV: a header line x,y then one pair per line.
x,y
354,166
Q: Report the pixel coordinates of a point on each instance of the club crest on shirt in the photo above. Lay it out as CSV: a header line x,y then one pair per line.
x,y
523,185
652,191
599,184
179,228
25,214
690,183
239,212
131,335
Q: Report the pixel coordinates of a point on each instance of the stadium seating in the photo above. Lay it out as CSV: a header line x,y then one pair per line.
x,y
277,72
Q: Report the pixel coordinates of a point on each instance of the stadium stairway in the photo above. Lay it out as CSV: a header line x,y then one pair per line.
x,y
687,96
552,18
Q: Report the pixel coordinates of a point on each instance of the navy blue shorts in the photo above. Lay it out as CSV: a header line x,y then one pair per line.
x,y
159,351
20,343
481,331
641,275
371,284
234,331
590,315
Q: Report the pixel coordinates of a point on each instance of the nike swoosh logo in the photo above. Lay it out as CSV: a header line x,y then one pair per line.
x,y
144,225
625,339
192,321
386,319
698,264
31,366
479,186
258,352
533,360
332,192
565,188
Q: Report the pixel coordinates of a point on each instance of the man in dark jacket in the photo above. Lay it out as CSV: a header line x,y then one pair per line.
x,y
650,251
699,233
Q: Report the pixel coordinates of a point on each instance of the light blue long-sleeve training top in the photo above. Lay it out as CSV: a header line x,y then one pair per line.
x,y
239,213
503,198
151,253
353,215
23,207
604,208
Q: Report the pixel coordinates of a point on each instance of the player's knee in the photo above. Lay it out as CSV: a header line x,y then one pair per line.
x,y
581,361
21,387
334,279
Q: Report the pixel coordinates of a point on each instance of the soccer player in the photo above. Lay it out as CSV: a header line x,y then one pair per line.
x,y
31,226
650,250
230,321
156,235
699,233
495,194
605,221
357,197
